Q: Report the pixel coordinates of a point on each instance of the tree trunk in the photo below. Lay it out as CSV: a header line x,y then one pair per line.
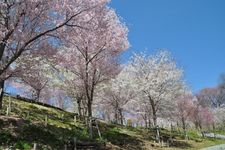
x,y
196,125
200,125
38,95
79,106
146,121
116,115
89,89
154,116
84,107
121,116
183,124
90,128
149,122
171,127
184,128
2,83
2,47
89,108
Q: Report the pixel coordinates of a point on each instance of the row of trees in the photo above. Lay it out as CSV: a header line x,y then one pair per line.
x,y
152,87
44,40
67,52
146,86
61,49
214,98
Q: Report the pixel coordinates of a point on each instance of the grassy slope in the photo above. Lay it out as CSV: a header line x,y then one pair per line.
x,y
26,124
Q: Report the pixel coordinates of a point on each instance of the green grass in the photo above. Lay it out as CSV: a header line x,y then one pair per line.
x,y
205,143
26,125
220,132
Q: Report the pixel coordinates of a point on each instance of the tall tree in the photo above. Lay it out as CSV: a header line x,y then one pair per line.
x,y
202,114
185,108
92,56
157,78
34,72
72,85
211,97
116,94
26,25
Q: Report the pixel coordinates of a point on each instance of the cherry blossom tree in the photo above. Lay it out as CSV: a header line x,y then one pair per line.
x,y
207,116
34,72
219,117
76,92
138,106
158,79
209,105
212,97
27,25
92,56
56,97
207,97
221,90
202,114
10,73
185,108
116,94
142,110
72,85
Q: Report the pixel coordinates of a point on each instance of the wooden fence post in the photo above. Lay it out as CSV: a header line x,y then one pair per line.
x,y
7,111
10,102
86,120
75,119
28,115
157,134
99,133
90,127
62,117
35,146
75,143
65,147
46,120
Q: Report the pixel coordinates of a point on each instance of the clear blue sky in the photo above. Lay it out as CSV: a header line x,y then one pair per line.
x,y
193,30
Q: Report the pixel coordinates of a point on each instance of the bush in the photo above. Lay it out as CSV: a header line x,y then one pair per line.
x,y
112,133
5,137
22,145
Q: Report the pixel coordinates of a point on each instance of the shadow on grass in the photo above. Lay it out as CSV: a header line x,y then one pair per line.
x,y
122,140
53,137
181,144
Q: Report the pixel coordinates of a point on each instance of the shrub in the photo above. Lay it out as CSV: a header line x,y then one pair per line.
x,y
5,137
22,145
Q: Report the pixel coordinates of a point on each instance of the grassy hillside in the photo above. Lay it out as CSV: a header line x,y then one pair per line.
x,y
52,128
